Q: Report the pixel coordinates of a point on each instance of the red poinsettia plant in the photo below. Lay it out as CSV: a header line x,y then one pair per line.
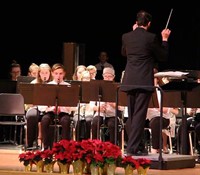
x,y
37,156
62,151
111,152
67,151
129,160
94,152
47,156
26,158
78,151
143,162
105,152
98,153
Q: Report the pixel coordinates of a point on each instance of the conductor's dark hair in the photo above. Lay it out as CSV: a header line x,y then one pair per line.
x,y
143,18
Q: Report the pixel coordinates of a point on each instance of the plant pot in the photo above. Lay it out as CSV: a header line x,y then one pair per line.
x,y
129,170
142,171
39,166
111,169
77,167
64,167
49,167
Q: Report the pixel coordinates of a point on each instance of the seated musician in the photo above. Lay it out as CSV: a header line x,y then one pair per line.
x,y
52,113
85,115
197,130
93,71
43,76
153,115
107,111
193,124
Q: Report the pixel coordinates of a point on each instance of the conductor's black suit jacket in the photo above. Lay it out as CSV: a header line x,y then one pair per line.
x,y
142,50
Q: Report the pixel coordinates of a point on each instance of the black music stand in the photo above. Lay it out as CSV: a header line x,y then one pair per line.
x,y
183,87
97,90
24,79
172,99
193,98
46,94
90,91
51,95
27,90
8,86
108,94
94,90
122,99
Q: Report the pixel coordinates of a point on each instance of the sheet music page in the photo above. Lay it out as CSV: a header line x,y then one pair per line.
x,y
171,74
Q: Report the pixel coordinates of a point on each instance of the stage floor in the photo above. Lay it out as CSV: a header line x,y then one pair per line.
x,y
9,164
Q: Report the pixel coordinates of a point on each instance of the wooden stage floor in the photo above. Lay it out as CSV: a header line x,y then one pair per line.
x,y
9,164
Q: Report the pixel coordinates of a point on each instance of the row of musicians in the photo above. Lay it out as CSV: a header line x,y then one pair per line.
x,y
88,112
48,114
106,111
106,114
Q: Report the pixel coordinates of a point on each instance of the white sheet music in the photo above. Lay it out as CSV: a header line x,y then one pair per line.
x,y
171,74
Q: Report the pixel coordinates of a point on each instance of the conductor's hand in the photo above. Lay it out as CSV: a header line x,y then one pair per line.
x,y
134,26
165,34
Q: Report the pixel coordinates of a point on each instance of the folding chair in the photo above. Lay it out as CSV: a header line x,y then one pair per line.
x,y
13,105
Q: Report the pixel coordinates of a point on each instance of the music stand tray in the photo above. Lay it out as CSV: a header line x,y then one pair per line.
x,y
8,86
47,94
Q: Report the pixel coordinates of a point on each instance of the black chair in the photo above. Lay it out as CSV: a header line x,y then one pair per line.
x,y
13,105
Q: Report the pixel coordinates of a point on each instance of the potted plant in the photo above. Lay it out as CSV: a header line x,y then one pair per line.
x,y
38,160
129,164
144,165
62,152
27,159
48,159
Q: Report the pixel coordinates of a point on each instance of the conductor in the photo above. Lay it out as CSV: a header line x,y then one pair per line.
x,y
142,50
